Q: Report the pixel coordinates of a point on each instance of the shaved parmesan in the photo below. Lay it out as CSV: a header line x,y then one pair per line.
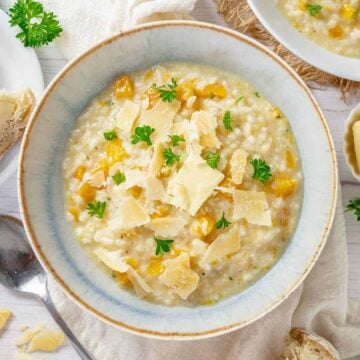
x,y
161,118
167,226
206,124
46,340
252,206
193,184
237,165
154,189
134,177
157,159
140,286
97,180
179,276
112,259
128,215
126,116
226,244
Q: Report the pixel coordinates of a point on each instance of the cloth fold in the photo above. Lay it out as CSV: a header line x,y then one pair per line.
x,y
319,305
85,22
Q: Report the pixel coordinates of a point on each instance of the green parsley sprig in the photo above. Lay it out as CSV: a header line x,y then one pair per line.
x,y
110,135
170,157
142,134
212,158
38,27
162,245
97,208
238,99
222,222
354,206
262,170
118,178
313,9
176,139
167,91
227,121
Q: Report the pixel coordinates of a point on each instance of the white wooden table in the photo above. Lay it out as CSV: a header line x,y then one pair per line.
x,y
28,311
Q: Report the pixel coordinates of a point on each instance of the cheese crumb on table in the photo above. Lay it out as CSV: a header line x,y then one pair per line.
x,y
4,317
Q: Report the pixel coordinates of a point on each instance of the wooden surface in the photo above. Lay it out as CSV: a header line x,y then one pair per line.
x,y
29,311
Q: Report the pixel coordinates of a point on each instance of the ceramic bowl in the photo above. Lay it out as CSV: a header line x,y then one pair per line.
x,y
348,149
40,177
279,27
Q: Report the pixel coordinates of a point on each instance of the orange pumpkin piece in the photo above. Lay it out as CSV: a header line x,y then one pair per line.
x,y
336,32
153,95
155,268
123,87
79,172
291,161
212,90
115,152
74,212
185,91
203,225
122,279
87,192
283,186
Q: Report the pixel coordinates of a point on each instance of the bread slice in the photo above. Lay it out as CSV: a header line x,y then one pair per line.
x,y
15,109
303,345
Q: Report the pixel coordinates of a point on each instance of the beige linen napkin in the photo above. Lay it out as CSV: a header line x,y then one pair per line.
x,y
319,305
86,22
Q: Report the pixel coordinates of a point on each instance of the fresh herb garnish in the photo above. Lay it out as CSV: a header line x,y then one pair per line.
x,y
262,171
162,246
227,121
96,208
110,135
118,178
176,139
222,222
142,134
238,99
313,9
212,159
257,94
170,157
354,206
38,26
167,91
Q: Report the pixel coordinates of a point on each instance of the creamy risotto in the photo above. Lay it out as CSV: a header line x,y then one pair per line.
x,y
183,182
333,24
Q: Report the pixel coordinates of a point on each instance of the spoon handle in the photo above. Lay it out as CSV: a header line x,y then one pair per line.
x,y
46,299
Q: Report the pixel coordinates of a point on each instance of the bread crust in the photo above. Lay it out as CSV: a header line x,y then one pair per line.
x,y
12,124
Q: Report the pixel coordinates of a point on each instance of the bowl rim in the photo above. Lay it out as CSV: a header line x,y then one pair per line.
x,y
323,65
30,229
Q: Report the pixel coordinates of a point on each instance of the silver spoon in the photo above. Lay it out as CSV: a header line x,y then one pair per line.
x,y
21,271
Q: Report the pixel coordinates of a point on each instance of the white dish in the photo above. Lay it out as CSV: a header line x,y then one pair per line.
x,y
20,67
41,186
276,23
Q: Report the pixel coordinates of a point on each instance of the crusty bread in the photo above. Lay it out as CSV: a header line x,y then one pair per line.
x,y
15,109
303,345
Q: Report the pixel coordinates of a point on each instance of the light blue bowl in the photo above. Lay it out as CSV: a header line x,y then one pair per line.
x,y
40,177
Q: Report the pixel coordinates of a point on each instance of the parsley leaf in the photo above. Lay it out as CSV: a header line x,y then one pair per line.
x,y
170,157
212,159
257,94
238,99
167,91
142,134
222,222
38,26
162,245
110,135
96,208
118,178
262,171
227,121
176,139
313,9
354,206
